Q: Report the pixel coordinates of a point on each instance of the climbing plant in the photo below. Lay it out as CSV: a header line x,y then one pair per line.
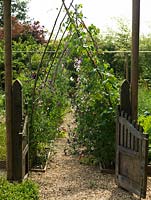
x,y
70,67
77,71
94,92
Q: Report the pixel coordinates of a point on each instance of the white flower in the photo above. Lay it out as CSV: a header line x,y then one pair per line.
x,y
71,78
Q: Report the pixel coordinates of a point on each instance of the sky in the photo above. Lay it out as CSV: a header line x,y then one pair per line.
x,y
101,13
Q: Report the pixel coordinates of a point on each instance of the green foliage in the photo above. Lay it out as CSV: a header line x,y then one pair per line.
x,y
24,191
145,122
84,74
144,110
96,102
144,101
26,57
145,58
119,41
94,93
50,100
48,110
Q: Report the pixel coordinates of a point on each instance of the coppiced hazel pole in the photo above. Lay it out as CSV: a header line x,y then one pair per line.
x,y
135,57
8,84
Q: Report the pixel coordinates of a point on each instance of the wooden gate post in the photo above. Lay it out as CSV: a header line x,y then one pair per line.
x,y
134,58
8,84
17,128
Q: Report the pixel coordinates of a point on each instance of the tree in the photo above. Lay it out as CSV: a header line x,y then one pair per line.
x,y
21,25
23,30
119,41
123,43
19,10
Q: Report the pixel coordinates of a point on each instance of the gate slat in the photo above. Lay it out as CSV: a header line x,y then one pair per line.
x,y
128,140
25,150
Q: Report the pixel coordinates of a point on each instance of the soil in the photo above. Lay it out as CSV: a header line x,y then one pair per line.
x,y
67,179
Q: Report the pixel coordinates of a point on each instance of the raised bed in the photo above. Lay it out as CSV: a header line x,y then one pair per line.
x,y
42,166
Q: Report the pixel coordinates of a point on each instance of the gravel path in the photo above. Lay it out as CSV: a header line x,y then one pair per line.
x,y
67,179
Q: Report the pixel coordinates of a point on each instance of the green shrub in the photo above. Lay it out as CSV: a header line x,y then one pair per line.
x,y
96,101
144,110
23,191
46,112
144,101
145,122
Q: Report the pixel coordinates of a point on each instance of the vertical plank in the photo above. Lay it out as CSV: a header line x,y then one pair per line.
x,y
123,135
119,133
126,138
118,129
144,165
132,141
137,145
16,128
25,148
27,155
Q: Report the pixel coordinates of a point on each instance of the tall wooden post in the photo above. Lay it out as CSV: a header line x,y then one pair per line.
x,y
8,84
135,57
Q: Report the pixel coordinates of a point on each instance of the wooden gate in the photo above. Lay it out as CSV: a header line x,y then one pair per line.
x,y
131,150
20,135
